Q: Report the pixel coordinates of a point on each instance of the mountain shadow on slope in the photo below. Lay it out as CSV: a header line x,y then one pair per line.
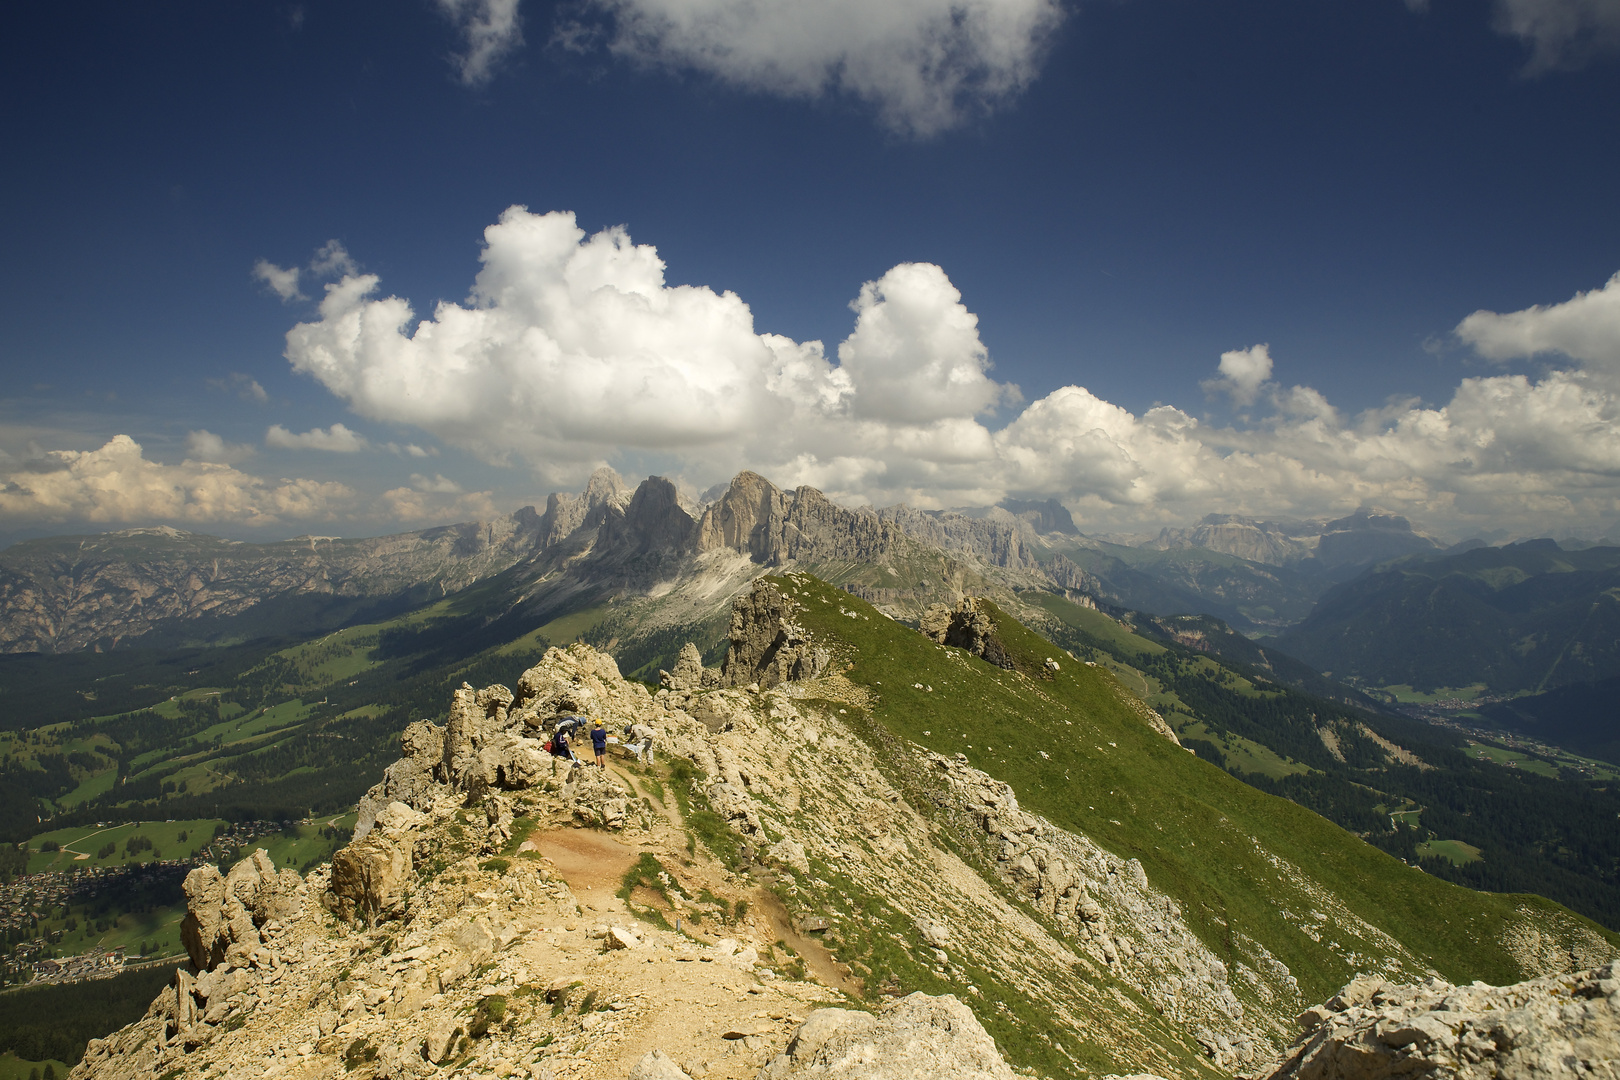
x,y
1528,616
1584,718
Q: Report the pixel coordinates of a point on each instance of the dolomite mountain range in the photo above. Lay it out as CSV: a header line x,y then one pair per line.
x,y
161,587
476,924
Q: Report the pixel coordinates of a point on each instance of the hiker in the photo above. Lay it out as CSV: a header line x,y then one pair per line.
x,y
642,746
599,744
559,741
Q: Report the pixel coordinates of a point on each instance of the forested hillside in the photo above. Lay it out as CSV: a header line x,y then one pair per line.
x,y
1426,794
1527,616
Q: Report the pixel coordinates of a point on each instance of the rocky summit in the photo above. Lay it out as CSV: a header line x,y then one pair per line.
x,y
506,911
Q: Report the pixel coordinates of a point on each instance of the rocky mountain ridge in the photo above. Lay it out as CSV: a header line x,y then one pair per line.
x,y
1344,544
72,593
502,911
161,586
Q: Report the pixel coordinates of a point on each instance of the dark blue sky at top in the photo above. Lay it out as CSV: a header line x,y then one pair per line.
x,y
1343,179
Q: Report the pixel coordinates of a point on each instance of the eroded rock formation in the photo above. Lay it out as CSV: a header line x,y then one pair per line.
x,y
768,646
225,913
967,626
1558,1026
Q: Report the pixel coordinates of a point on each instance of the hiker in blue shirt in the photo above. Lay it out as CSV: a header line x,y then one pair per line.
x,y
599,744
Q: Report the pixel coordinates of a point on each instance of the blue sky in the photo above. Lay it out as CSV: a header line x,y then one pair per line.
x,y
1106,196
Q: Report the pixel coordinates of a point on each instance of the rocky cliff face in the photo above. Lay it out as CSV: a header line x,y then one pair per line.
x,y
1367,537
1273,543
768,646
966,626
1004,540
775,527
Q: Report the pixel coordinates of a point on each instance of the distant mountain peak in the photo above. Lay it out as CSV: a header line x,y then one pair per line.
x,y
605,486
1371,517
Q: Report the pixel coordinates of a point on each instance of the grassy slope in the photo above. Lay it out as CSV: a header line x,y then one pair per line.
x,y
1109,776
13,1067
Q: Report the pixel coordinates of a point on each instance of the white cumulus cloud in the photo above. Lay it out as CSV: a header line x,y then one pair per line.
x,y
332,259
491,30
283,281
437,484
337,439
1585,327
1241,373
567,345
117,484
204,445
243,386
1562,34
915,353
419,504
572,349
926,65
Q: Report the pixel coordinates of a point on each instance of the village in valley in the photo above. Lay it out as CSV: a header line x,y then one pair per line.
x,y
106,897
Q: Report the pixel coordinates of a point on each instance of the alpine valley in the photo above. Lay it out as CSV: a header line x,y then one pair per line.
x,y
962,793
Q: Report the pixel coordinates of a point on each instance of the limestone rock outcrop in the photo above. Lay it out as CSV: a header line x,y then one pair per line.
x,y
224,913
492,744
657,1065
414,780
935,1037
1557,1026
689,672
567,513
1108,906
369,878
768,646
968,626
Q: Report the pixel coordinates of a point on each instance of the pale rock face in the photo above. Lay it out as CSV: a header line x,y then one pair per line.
x,y
768,646
968,627
1556,1026
397,816
475,717
774,527
412,780
658,1065
688,673
1110,909
746,518
224,913
921,1036
369,878
790,853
